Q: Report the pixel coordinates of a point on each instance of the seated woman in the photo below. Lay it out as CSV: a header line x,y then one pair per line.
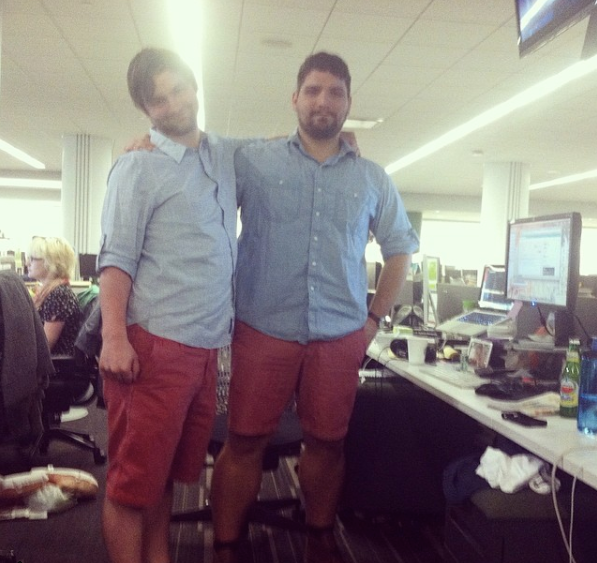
x,y
51,261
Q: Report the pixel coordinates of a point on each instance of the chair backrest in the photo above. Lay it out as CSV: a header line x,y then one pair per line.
x,y
77,379
25,364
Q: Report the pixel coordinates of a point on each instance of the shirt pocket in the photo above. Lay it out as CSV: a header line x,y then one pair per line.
x,y
352,209
282,200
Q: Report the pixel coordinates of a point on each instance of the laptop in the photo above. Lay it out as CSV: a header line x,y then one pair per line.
x,y
492,308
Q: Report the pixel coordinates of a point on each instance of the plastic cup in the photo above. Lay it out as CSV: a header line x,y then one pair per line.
x,y
417,347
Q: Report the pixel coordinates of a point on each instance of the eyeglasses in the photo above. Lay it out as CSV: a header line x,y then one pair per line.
x,y
32,258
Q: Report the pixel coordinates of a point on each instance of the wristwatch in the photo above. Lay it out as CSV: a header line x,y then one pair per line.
x,y
374,318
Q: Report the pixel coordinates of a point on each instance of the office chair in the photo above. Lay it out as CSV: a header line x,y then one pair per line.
x,y
286,442
25,367
74,384
77,382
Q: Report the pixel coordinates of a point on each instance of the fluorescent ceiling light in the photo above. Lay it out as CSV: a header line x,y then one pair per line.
x,y
536,92
564,180
186,26
361,123
20,155
30,183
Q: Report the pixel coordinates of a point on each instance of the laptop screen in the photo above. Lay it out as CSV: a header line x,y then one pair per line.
x,y
493,289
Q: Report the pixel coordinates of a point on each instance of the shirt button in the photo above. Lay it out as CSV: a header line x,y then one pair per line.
x,y
317,214
312,288
315,238
313,263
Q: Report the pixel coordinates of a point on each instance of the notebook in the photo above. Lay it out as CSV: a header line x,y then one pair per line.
x,y
493,306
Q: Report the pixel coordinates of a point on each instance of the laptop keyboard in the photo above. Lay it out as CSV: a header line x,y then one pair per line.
x,y
452,374
479,318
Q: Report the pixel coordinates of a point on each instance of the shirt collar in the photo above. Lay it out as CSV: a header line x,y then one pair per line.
x,y
174,150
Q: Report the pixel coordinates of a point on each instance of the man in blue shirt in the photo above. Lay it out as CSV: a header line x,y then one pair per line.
x,y
167,260
308,204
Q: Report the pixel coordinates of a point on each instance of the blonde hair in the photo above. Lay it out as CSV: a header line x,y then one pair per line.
x,y
58,256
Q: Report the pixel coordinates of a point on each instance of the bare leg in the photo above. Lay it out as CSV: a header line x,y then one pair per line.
x,y
123,532
134,535
321,474
235,485
156,530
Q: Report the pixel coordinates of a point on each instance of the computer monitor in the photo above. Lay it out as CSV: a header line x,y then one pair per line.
x,y
453,275
539,21
493,289
7,263
87,266
373,271
542,265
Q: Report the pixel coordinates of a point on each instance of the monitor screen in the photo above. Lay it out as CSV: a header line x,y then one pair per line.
x,y
541,20
87,266
493,289
542,260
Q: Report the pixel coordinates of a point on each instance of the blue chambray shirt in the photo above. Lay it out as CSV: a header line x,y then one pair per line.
x,y
301,272
169,221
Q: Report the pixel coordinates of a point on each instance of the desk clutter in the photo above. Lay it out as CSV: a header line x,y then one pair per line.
x,y
518,519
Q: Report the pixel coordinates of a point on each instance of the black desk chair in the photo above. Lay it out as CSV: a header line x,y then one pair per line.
x,y
74,384
25,368
285,443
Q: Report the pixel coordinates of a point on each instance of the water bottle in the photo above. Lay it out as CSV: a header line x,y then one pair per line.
x,y
587,401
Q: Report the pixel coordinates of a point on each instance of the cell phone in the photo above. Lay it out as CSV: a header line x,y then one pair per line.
x,y
493,372
523,419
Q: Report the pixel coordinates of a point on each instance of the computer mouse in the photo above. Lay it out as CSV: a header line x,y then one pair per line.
x,y
486,389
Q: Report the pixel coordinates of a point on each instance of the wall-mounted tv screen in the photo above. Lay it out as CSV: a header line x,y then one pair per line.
x,y
543,259
539,21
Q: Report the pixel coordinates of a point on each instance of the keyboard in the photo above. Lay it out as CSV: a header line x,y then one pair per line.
x,y
480,318
452,374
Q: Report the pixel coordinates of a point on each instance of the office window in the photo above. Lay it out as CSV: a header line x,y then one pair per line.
x,y
22,219
458,244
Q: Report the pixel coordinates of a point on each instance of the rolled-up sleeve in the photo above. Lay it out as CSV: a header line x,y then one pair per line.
x,y
391,226
126,212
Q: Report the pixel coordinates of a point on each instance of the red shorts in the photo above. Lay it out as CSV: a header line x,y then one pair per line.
x,y
159,426
266,372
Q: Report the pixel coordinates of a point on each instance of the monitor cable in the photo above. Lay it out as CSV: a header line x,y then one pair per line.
x,y
566,537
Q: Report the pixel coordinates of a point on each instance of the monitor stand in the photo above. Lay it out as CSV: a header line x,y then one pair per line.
x,y
563,328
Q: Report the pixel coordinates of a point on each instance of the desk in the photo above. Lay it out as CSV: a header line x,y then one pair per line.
x,y
559,443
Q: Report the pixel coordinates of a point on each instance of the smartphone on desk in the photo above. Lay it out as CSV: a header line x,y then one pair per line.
x,y
523,419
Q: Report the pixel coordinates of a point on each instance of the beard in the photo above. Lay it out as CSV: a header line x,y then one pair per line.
x,y
322,127
178,125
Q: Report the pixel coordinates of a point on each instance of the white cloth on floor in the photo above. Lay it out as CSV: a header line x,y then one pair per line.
x,y
508,473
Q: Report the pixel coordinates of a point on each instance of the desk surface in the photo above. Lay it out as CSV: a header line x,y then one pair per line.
x,y
559,443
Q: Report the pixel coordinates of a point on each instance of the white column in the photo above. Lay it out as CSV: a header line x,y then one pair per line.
x,y
86,161
505,197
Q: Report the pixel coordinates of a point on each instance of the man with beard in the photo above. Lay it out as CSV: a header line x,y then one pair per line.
x,y
308,203
167,259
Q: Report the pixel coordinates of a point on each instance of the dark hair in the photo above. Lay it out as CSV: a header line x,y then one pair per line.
x,y
325,62
145,65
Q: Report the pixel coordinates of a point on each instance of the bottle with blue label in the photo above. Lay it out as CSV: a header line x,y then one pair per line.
x,y
587,400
